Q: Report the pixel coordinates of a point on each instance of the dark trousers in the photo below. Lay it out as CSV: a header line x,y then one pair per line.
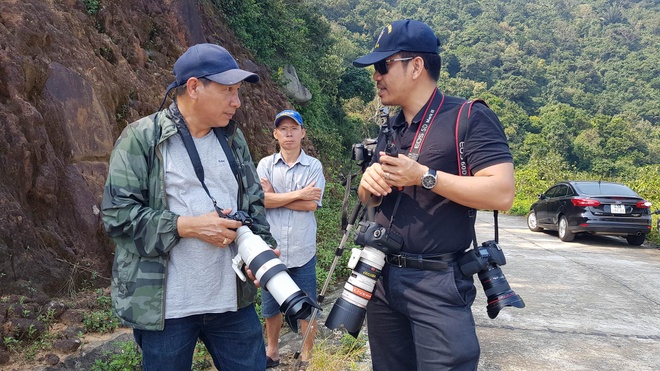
x,y
421,320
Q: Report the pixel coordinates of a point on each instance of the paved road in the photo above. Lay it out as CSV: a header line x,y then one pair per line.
x,y
591,304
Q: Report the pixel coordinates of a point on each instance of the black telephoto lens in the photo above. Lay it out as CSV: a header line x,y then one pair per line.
x,y
498,292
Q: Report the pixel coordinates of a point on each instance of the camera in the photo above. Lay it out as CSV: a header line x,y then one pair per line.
x,y
270,271
486,260
363,152
366,264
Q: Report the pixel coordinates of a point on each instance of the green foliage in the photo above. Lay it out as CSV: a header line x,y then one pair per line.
x,y
329,234
577,80
357,82
646,182
92,6
351,345
128,358
101,319
28,345
284,32
201,358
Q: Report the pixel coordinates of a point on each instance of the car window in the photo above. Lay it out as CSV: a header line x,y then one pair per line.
x,y
552,191
570,191
596,188
561,191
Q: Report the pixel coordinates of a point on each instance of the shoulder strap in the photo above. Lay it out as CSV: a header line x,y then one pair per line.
x,y
236,167
225,147
197,163
461,132
462,120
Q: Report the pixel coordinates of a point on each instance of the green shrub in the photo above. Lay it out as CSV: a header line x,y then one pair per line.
x,y
128,358
92,6
101,319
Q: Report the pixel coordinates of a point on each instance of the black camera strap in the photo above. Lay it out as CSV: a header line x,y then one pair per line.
x,y
189,143
436,100
463,169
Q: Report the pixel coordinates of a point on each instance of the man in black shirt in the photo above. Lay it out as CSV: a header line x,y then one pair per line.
x,y
419,317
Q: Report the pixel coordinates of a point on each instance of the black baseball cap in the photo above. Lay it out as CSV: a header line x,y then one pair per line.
x,y
404,35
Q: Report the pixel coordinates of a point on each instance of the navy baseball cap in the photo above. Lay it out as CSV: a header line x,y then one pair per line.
x,y
212,62
209,61
404,35
288,113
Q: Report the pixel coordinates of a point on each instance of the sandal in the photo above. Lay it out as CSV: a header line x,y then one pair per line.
x,y
271,362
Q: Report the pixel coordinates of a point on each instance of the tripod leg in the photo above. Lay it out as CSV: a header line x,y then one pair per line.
x,y
321,296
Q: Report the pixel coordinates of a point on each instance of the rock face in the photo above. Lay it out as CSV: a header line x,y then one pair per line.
x,y
70,81
294,89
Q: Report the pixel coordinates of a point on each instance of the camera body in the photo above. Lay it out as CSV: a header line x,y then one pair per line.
x,y
366,264
374,235
486,260
474,261
239,215
269,270
362,153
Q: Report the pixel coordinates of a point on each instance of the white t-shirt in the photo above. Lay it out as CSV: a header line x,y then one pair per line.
x,y
200,278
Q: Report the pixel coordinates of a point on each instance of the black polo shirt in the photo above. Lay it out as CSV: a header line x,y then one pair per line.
x,y
429,223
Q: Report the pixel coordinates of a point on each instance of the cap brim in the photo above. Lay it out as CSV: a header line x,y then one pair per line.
x,y
372,58
234,76
279,119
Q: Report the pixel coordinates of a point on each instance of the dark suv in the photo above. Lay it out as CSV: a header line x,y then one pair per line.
x,y
592,207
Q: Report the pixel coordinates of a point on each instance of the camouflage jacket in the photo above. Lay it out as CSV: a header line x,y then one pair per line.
x,y
136,217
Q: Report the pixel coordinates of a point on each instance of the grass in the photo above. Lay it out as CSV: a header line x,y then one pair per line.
x,y
349,355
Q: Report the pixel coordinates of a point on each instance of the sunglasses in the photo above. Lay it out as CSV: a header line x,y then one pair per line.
x,y
381,66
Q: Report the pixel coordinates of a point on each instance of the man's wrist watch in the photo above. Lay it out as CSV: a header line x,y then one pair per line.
x,y
429,179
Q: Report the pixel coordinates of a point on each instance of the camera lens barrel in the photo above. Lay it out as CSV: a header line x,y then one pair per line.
x,y
498,292
484,261
349,310
273,276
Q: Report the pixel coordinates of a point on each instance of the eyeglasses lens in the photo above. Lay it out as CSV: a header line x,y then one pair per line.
x,y
381,67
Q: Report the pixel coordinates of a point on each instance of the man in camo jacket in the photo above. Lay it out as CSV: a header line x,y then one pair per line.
x,y
172,279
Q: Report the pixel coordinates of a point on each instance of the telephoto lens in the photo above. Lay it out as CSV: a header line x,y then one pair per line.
x,y
366,264
349,310
272,275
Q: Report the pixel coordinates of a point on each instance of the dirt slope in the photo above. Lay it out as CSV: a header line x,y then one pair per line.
x,y
69,82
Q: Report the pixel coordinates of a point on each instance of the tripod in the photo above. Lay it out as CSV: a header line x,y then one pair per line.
x,y
321,297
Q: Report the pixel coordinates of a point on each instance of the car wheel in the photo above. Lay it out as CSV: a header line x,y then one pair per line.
x,y
636,240
531,222
564,234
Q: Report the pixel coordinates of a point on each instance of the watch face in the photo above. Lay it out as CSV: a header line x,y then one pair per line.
x,y
428,181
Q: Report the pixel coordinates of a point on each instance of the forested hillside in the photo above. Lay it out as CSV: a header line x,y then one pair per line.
x,y
579,78
576,83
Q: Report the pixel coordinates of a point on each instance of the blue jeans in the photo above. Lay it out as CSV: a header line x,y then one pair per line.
x,y
304,277
234,340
